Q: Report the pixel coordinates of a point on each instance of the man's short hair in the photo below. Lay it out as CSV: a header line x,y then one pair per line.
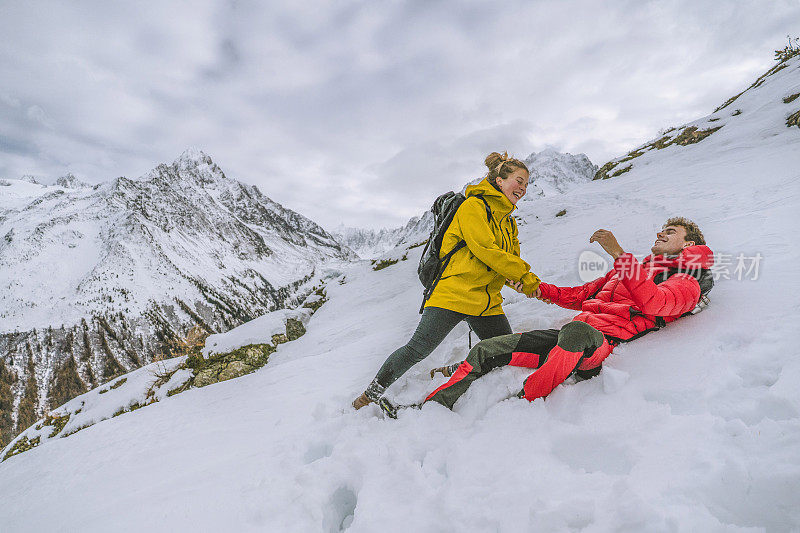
x,y
693,232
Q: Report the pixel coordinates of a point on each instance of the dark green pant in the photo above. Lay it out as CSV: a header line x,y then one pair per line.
x,y
529,350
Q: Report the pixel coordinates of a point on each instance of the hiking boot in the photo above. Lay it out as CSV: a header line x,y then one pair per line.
x,y
371,395
361,401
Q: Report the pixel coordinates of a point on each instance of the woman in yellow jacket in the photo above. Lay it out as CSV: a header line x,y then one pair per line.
x,y
469,288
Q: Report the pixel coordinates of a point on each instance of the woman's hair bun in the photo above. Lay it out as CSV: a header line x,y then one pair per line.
x,y
494,159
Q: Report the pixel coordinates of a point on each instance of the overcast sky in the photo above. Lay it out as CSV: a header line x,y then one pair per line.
x,y
362,112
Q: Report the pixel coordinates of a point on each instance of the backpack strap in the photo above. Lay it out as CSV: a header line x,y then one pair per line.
x,y
443,265
486,205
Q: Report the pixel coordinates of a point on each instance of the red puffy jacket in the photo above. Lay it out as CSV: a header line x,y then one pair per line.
x,y
626,301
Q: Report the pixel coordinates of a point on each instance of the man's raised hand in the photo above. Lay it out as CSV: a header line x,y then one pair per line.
x,y
606,239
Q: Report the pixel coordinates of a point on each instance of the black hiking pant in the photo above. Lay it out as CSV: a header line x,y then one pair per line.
x,y
433,327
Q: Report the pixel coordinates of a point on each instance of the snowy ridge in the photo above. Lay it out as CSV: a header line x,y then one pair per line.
x,y
691,428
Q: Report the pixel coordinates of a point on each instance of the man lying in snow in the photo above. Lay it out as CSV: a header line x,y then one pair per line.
x,y
631,300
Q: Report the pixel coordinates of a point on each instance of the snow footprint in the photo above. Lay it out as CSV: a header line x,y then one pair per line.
x,y
317,451
340,511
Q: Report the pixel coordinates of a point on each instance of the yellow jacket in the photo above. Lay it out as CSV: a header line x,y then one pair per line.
x,y
473,278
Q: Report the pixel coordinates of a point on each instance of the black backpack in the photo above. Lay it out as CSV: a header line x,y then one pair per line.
x,y
431,267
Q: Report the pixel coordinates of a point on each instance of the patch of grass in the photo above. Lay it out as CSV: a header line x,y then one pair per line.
x,y
380,265
58,423
119,412
561,213
22,445
103,391
737,112
632,155
118,384
602,173
180,389
621,171
77,429
417,245
661,143
793,120
317,303
693,135
791,98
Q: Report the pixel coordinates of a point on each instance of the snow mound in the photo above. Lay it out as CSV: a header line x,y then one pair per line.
x,y
257,331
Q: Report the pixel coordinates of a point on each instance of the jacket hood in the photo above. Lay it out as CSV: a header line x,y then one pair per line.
x,y
497,200
691,257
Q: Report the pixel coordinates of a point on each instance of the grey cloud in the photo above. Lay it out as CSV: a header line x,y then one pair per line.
x,y
17,147
379,106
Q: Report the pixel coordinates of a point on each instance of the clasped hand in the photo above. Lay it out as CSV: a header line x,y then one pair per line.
x,y
517,286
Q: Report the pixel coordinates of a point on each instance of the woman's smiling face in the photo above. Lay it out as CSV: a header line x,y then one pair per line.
x,y
514,185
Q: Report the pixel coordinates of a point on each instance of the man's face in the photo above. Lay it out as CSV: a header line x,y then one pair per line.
x,y
670,241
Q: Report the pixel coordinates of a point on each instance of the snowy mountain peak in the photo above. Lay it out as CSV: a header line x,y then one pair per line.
x,y
193,168
554,172
194,156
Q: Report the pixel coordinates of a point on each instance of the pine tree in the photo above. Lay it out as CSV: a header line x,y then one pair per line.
x,y
6,405
112,368
28,412
66,384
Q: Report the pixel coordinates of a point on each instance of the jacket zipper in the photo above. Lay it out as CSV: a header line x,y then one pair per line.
x,y
489,297
503,237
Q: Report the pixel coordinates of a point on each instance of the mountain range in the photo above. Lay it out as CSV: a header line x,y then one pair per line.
x,y
98,280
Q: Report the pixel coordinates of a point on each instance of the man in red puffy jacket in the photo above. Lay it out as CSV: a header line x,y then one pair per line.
x,y
630,300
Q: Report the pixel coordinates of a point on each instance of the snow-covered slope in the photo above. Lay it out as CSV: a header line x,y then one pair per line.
x,y
692,428
107,275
